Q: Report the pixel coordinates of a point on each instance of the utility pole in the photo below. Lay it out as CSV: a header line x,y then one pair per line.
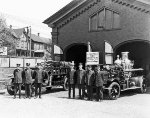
x,y
27,40
30,41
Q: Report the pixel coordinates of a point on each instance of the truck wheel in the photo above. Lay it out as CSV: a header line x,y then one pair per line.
x,y
10,87
114,91
65,86
143,88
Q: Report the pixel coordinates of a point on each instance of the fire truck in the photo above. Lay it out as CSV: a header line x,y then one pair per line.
x,y
121,76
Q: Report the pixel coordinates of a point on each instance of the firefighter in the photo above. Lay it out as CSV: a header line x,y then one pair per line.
x,y
38,75
89,77
17,80
98,83
80,77
28,80
71,78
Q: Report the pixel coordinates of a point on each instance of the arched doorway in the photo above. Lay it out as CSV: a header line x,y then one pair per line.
x,y
139,51
76,53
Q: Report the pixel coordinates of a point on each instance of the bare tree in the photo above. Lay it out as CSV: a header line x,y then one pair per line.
x,y
7,37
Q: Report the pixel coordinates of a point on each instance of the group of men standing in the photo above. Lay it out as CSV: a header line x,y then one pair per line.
x,y
91,79
28,77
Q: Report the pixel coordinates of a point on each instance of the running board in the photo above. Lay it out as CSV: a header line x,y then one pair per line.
x,y
126,88
131,88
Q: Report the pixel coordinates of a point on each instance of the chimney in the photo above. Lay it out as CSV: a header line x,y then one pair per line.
x,y
38,34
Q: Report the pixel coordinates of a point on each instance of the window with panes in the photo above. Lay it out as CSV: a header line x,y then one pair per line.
x,y
105,19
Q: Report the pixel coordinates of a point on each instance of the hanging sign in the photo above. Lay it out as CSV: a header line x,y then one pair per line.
x,y
92,58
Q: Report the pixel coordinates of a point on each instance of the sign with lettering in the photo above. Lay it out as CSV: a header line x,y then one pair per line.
x,y
92,58
3,50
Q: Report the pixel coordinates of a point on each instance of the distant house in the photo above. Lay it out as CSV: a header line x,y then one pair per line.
x,y
21,44
39,45
16,42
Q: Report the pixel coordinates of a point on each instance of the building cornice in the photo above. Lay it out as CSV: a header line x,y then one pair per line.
x,y
133,5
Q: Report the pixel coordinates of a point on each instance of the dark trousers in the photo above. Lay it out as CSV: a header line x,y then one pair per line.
x,y
81,88
38,86
17,86
89,92
28,90
71,86
99,93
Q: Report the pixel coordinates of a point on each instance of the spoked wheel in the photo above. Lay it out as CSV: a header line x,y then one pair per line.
x,y
65,86
10,87
114,91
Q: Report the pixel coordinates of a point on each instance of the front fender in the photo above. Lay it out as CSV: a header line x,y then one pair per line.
x,y
111,80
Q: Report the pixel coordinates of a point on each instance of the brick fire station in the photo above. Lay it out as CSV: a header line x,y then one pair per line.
x,y
111,27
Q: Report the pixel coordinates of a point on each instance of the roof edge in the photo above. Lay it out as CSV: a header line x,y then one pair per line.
x,y
54,18
75,4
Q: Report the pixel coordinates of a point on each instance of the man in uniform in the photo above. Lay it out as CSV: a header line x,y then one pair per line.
x,y
28,80
17,80
80,77
38,75
71,78
98,83
89,77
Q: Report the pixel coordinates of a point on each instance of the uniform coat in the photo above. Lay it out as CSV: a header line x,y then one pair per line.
x,y
39,75
80,76
71,76
18,76
98,79
28,76
89,77
72,82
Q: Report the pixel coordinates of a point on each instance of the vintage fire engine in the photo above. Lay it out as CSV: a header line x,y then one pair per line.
x,y
122,76
56,76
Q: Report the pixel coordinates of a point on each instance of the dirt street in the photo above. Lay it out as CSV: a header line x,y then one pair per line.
x,y
55,104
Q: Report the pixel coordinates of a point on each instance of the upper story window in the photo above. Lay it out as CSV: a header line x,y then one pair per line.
x,y
105,19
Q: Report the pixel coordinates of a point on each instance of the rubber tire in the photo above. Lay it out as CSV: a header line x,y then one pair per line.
x,y
10,90
110,90
65,85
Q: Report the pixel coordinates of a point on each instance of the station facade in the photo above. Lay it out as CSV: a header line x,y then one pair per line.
x,y
111,27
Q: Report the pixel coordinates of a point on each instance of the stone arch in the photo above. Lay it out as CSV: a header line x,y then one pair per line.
x,y
138,52
76,52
